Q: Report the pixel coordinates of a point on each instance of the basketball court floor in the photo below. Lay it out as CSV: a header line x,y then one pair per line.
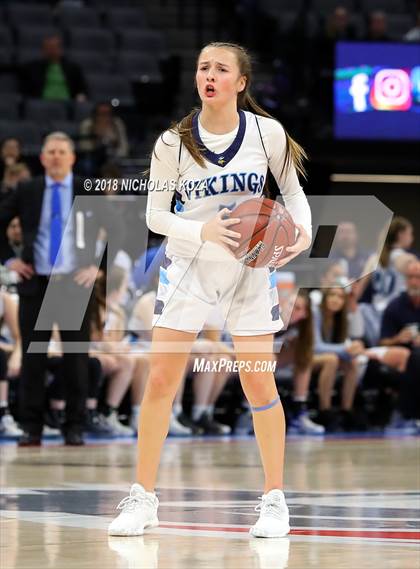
x,y
354,503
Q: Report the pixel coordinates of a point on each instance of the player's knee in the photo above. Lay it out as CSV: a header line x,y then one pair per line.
x,y
258,388
160,382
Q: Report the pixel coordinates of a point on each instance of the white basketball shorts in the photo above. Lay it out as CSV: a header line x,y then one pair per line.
x,y
190,290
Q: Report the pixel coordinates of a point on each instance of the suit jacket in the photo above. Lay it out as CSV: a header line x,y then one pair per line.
x,y
88,217
32,77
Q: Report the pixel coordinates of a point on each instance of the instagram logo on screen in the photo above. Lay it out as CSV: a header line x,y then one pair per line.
x,y
391,90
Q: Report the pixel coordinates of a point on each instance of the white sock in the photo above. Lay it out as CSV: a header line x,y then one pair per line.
x,y
300,398
4,404
135,409
210,410
197,411
177,409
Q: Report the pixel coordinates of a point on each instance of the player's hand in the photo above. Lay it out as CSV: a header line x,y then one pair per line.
x,y
86,276
303,242
23,269
217,230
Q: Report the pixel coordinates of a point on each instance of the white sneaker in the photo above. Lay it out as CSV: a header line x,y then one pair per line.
x,y
177,429
303,425
8,427
139,511
117,428
274,516
48,431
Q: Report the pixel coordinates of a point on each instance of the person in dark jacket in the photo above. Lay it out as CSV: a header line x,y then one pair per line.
x,y
58,262
54,77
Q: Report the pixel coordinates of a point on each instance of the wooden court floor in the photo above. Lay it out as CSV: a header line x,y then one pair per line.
x,y
354,503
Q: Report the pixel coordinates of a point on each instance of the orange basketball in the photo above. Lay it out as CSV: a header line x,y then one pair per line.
x,y
266,229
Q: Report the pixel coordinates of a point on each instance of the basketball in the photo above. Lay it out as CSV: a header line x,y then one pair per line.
x,y
266,229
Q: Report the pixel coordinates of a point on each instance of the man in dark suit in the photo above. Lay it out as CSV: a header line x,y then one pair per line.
x,y
54,76
59,246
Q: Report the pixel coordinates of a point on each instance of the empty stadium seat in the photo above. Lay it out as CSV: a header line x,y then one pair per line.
x,y
286,21
399,25
81,110
388,6
143,41
27,54
106,87
5,37
8,83
6,57
125,18
28,132
71,128
33,36
102,41
43,111
9,106
91,61
328,6
138,65
22,12
292,5
82,17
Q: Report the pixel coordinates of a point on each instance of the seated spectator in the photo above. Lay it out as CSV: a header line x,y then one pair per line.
x,y
386,281
10,362
117,365
10,154
14,237
413,35
377,27
13,175
56,412
54,77
348,250
401,318
104,135
297,350
331,336
401,327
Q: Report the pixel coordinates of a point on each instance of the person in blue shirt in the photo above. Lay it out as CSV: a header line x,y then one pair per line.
x,y
59,253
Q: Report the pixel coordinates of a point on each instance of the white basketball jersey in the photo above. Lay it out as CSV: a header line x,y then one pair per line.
x,y
235,171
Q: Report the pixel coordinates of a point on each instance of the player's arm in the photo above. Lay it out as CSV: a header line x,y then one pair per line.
x,y
294,197
163,182
159,218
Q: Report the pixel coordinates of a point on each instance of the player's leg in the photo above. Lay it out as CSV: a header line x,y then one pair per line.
x,y
165,374
261,391
170,351
270,431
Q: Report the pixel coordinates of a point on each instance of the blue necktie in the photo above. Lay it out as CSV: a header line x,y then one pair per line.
x,y
55,225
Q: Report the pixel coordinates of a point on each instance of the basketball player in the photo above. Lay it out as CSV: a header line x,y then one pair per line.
x,y
214,160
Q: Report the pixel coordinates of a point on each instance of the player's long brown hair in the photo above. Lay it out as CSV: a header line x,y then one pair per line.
x,y
295,154
398,224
